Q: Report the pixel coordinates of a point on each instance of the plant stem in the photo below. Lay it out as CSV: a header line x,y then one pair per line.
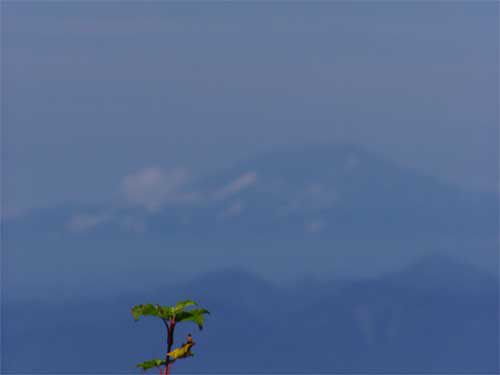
x,y
170,342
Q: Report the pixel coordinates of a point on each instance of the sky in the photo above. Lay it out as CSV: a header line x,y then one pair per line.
x,y
96,91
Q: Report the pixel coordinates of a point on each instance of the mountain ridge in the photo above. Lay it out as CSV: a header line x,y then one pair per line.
x,y
350,326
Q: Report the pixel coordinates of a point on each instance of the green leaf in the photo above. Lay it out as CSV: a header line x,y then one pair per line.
x,y
168,312
164,312
139,310
195,315
151,363
180,306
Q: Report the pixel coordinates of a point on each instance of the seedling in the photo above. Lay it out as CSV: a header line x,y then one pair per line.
x,y
171,316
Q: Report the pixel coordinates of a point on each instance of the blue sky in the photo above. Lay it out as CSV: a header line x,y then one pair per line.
x,y
94,92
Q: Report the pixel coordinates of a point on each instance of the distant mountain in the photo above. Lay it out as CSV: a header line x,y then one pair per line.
x,y
334,191
383,325
447,274
325,210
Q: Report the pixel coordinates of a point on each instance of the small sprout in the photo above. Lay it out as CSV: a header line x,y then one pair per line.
x,y
171,315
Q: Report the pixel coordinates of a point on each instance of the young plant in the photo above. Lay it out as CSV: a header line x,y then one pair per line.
x,y
171,316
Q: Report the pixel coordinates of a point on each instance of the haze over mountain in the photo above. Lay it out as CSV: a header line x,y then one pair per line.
x,y
326,210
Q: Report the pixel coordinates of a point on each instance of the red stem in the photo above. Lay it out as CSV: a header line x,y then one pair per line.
x,y
170,342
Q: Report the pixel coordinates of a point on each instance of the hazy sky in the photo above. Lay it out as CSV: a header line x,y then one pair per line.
x,y
93,92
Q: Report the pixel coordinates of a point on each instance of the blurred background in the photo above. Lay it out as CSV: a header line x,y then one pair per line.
x,y
323,177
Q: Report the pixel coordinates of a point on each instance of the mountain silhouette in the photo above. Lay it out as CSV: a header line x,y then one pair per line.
x,y
326,210
383,325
